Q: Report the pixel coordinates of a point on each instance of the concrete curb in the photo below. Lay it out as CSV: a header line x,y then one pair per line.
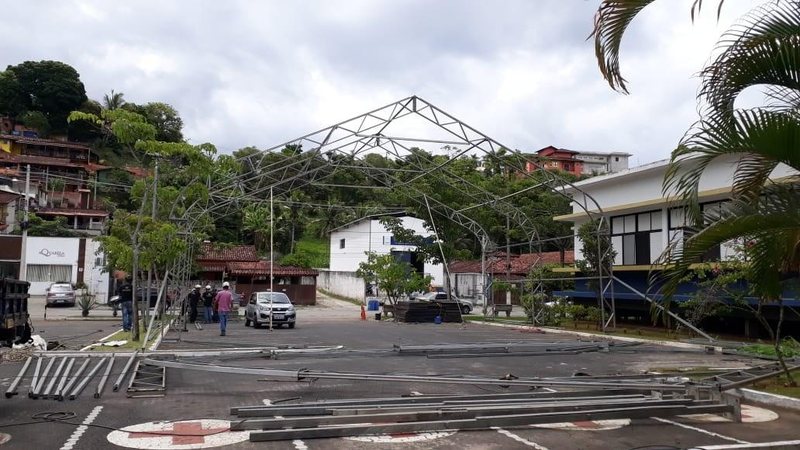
x,y
765,398
601,336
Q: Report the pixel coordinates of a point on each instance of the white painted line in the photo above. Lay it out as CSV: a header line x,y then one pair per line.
x,y
76,435
298,444
519,439
547,389
700,430
774,444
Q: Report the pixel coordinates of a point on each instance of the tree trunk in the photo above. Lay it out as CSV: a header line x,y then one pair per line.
x,y
777,344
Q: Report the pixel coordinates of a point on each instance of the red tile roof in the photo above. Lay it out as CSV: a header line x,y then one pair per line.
x,y
8,197
519,264
262,268
216,252
70,212
40,141
48,161
211,266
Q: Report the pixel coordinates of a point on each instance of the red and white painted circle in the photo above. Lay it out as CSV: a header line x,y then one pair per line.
x,y
184,434
4,437
399,438
586,425
750,414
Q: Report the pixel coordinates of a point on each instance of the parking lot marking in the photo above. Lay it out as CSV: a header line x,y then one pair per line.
x,y
700,430
298,444
76,435
181,434
774,444
519,439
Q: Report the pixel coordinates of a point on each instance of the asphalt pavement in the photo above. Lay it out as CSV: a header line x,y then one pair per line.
x,y
192,396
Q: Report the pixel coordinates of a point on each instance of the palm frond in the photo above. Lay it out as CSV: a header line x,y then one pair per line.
x,y
762,49
610,22
755,140
782,99
771,228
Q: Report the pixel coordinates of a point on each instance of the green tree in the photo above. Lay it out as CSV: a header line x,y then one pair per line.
x,y
12,99
759,51
165,118
50,87
58,227
395,278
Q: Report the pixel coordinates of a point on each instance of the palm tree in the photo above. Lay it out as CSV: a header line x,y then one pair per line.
x,y
762,50
113,100
256,220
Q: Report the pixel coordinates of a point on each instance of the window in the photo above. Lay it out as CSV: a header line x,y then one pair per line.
x,y
49,273
341,243
636,238
616,158
681,228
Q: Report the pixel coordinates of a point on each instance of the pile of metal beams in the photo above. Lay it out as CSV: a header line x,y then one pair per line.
x,y
62,377
427,413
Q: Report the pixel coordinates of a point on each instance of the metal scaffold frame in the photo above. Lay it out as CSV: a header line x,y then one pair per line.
x,y
330,149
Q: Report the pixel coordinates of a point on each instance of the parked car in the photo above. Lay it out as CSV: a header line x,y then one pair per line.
x,y
466,305
60,293
262,304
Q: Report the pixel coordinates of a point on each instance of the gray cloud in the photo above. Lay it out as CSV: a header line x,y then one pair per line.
x,y
260,73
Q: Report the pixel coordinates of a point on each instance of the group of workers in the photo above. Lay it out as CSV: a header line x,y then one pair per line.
x,y
215,303
220,302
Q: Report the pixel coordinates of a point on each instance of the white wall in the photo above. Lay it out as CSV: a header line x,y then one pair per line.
x,y
371,235
65,252
622,192
52,251
93,276
346,284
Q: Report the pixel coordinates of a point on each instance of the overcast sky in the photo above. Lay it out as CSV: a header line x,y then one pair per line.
x,y
264,72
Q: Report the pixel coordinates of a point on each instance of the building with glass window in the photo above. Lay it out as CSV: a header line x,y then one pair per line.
x,y
644,221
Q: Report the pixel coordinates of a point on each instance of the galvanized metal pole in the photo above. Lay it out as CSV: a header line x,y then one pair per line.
x,y
12,390
23,263
79,388
54,378
125,371
35,379
74,379
64,376
271,256
99,391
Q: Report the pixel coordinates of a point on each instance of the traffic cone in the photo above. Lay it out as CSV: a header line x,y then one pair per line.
x,y
363,313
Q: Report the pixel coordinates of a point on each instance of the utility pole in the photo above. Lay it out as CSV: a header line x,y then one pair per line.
x,y
271,258
150,268
508,260
23,263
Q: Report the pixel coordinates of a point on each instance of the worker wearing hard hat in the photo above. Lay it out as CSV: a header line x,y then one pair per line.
x,y
194,299
208,302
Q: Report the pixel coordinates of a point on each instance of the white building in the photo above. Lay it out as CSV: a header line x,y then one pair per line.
x,y
350,244
73,260
644,221
601,163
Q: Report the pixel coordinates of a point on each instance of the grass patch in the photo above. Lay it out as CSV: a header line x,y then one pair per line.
x,y
789,347
126,336
341,297
778,386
